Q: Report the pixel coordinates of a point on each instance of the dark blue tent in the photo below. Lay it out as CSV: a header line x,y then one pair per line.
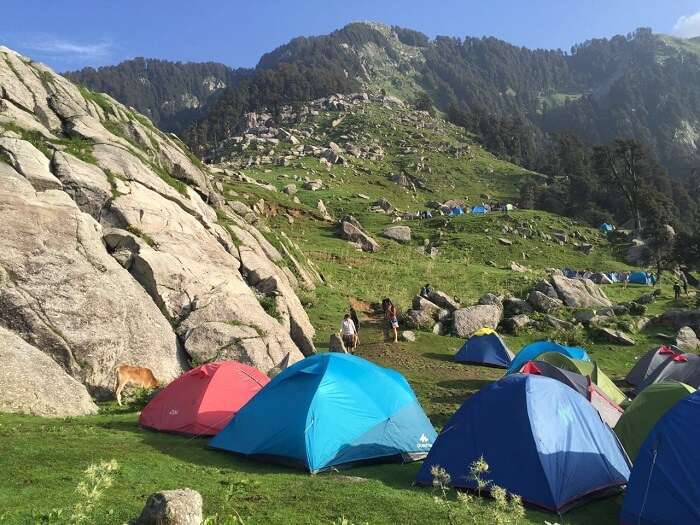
x,y
663,487
531,351
540,438
456,210
329,410
487,349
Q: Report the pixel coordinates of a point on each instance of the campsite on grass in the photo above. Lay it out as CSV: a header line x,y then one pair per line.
x,y
253,274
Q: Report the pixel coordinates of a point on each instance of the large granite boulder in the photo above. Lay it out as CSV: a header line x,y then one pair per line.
x,y
168,276
63,293
468,320
33,383
579,293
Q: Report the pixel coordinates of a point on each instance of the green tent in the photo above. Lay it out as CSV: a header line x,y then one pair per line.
x,y
586,368
646,409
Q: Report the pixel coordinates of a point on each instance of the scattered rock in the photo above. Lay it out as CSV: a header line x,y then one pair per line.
x,y
687,340
409,336
506,242
558,324
516,323
351,231
514,306
290,189
419,319
615,336
443,300
468,320
336,344
491,298
546,288
172,507
519,268
543,303
398,233
579,293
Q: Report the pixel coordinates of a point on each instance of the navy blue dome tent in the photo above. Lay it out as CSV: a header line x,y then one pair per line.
x,y
663,488
486,348
540,438
330,410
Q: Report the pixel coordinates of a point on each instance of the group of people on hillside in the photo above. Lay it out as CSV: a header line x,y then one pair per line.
x,y
350,325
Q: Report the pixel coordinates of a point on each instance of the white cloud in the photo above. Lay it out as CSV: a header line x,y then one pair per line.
x,y
688,26
65,50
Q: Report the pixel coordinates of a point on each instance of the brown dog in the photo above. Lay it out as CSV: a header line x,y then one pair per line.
x,y
134,375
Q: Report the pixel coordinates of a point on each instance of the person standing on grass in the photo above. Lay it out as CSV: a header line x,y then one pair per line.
x,y
348,332
356,322
684,282
677,291
392,319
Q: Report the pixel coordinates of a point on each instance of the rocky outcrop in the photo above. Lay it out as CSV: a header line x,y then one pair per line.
x,y
33,383
111,251
62,292
579,293
468,320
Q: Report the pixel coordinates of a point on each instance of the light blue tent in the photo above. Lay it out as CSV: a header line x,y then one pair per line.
x,y
607,228
640,278
456,210
487,350
663,486
531,351
541,439
330,410
479,209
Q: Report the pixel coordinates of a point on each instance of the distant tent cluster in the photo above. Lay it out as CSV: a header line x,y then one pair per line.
x,y
645,278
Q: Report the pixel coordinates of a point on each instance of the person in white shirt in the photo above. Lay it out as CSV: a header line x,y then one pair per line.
x,y
348,332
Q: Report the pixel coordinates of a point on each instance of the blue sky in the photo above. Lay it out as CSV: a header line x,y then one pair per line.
x,y
68,34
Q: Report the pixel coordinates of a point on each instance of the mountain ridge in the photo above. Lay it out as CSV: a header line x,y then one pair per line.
x,y
638,85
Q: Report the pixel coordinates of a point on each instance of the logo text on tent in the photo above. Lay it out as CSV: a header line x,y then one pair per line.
x,y
173,412
423,442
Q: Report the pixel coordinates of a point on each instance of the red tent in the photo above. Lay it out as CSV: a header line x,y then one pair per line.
x,y
202,401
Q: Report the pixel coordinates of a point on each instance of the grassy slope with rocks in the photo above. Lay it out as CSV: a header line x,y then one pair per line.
x,y
43,459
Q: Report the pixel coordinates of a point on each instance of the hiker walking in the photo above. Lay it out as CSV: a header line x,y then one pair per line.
x,y
348,332
677,291
356,322
392,319
684,282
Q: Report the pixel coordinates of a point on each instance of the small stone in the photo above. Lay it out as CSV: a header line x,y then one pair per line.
x,y
172,507
409,336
